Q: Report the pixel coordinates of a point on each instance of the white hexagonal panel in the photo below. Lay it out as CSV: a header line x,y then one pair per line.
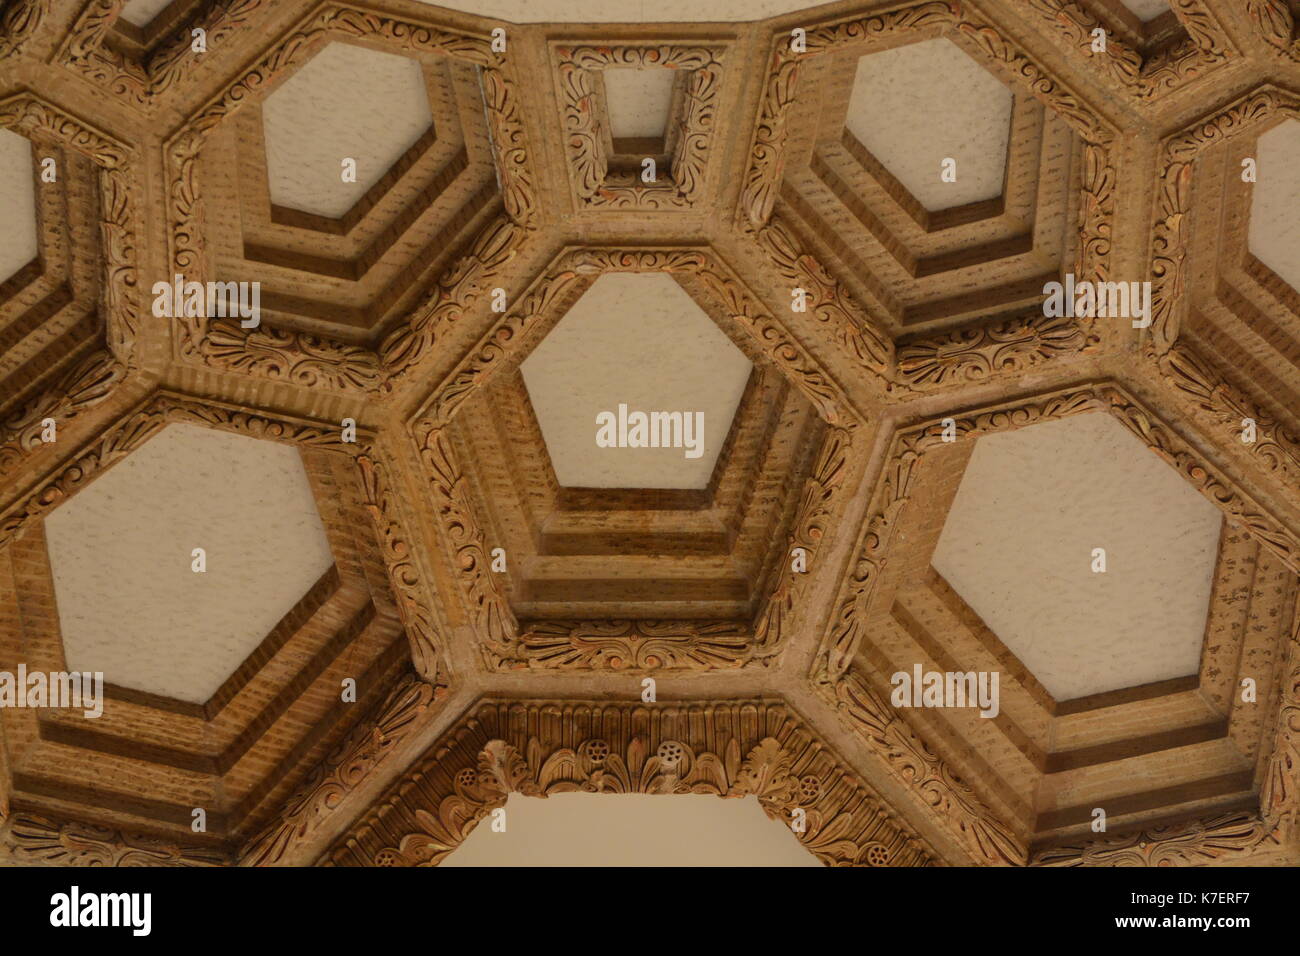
x,y
633,829
1018,547
640,341
347,102
1274,229
130,604
915,106
17,203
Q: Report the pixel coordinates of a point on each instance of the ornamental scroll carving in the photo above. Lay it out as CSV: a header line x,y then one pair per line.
x,y
18,21
965,355
1205,46
910,759
1192,843
36,839
171,63
1276,25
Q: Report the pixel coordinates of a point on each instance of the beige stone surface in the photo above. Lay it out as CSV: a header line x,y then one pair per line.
x,y
140,12
638,100
639,340
347,102
18,203
1274,236
914,106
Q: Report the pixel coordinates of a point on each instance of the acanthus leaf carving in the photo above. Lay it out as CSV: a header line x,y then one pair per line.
x,y
502,748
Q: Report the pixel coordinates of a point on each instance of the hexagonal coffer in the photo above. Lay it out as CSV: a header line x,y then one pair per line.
x,y
223,679
1100,634
657,557
341,210
939,221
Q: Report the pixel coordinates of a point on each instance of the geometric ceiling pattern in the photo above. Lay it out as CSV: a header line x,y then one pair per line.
x,y
885,413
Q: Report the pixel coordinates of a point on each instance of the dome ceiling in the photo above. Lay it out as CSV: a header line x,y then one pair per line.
x,y
961,504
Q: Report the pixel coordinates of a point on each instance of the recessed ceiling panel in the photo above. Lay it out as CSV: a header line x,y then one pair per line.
x,y
121,552
638,101
17,203
1019,544
633,829
635,344
346,103
915,107
1274,227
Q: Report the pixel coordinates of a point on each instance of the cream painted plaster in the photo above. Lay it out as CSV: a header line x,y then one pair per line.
x,y
1275,203
347,102
129,603
633,829
141,12
1146,10
914,106
640,340
638,101
17,203
1018,543
627,11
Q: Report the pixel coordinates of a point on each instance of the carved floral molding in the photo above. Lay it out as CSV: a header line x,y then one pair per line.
x,y
36,839
539,748
406,709
1205,46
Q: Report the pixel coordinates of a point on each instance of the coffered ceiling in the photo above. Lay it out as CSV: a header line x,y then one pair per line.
x,y
433,593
